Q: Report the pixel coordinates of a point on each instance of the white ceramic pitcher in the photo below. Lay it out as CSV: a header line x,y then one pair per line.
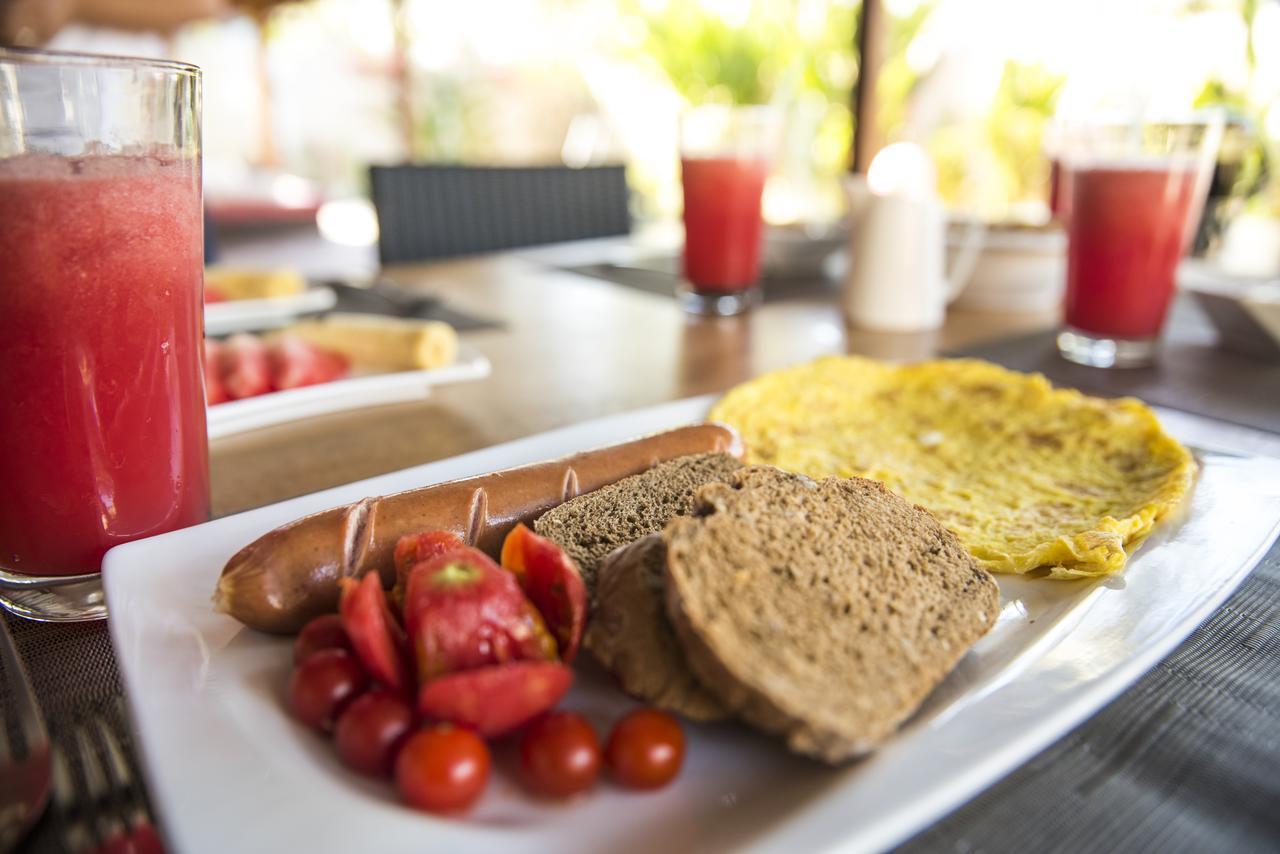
x,y
897,279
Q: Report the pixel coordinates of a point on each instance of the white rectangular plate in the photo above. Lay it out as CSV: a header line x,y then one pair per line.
x,y
250,315
278,407
229,771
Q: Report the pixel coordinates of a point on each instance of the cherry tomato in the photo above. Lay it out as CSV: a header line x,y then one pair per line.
x,y
645,749
559,755
325,632
370,730
442,769
323,685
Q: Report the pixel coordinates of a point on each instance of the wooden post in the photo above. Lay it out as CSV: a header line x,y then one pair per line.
x,y
866,105
268,156
404,81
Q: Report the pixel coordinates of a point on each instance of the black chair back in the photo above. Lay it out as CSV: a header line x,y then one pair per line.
x,y
432,211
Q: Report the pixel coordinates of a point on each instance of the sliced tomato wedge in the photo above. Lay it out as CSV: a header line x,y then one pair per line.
x,y
296,363
495,700
375,635
214,391
553,584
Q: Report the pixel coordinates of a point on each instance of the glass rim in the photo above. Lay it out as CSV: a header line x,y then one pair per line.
x,y
40,56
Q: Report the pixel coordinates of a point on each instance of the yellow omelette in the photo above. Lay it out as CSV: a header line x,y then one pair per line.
x,y
1028,476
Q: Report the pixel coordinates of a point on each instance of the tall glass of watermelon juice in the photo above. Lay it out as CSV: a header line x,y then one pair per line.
x,y
1137,192
725,157
101,319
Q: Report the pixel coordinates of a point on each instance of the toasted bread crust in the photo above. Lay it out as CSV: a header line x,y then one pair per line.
x,y
629,633
591,526
824,612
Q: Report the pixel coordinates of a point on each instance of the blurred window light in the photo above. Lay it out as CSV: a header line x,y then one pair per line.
x,y
292,191
348,222
974,82
902,169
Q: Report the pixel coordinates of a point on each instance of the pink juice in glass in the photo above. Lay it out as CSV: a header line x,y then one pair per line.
x,y
1129,226
101,328
722,221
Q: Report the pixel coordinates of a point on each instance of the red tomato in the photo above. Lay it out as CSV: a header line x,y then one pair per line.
x,y
645,749
296,363
377,638
323,685
551,580
243,366
370,731
413,549
495,700
212,295
559,755
463,611
324,632
442,769
214,391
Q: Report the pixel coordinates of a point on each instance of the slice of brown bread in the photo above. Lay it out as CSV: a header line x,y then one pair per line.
x,y
592,525
630,635
821,611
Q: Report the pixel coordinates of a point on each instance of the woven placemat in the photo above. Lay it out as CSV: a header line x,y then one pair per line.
x,y
74,674
1192,372
1186,760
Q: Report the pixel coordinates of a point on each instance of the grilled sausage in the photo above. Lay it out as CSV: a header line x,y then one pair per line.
x,y
287,576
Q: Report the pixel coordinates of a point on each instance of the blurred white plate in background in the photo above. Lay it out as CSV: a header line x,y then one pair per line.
x,y
278,407
247,315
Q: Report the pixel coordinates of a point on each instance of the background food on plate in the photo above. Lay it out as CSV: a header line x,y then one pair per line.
x,y
378,343
1028,476
221,283
823,612
245,366
592,525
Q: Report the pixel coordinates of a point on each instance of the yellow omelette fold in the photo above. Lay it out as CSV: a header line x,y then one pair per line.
x,y
1030,477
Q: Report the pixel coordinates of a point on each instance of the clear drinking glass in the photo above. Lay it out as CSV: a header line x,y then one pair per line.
x,y
102,425
1136,195
725,157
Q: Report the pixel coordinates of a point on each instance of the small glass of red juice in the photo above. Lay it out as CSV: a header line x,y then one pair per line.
x,y
1136,195
726,154
101,319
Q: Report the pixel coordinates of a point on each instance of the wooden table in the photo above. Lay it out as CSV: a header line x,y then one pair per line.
x,y
573,348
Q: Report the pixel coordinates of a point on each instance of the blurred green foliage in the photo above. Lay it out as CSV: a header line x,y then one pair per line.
x,y
786,52
1248,158
780,48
